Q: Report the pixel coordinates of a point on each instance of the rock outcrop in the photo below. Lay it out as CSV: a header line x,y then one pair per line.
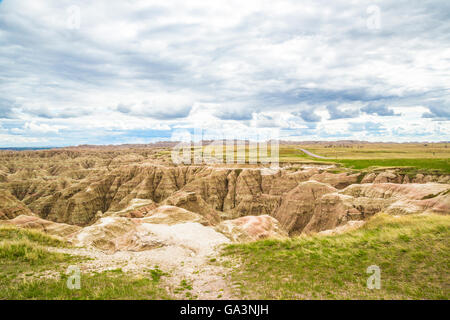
x,y
337,180
351,225
113,192
112,234
392,190
33,222
193,202
400,175
11,207
3,176
137,208
297,206
332,211
172,215
388,176
251,228
358,202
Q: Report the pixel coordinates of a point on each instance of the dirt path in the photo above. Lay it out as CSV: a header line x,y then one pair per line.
x,y
202,279
312,154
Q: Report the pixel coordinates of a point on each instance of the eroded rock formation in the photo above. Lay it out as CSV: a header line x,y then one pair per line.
x,y
252,228
11,207
134,199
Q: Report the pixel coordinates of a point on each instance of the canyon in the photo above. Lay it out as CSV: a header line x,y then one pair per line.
x,y
131,206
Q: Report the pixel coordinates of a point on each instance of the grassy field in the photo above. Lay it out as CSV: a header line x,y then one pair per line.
x,y
382,151
442,165
25,262
420,156
411,251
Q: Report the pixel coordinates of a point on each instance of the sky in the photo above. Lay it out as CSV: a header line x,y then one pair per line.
x,y
112,72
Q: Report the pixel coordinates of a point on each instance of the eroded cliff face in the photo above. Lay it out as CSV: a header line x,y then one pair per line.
x,y
85,187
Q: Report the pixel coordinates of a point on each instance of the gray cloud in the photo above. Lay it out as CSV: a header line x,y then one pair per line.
x,y
370,127
226,113
266,121
167,114
439,109
380,110
6,108
160,109
52,113
337,113
309,116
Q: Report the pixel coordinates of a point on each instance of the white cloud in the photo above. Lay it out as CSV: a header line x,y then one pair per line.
x,y
37,128
8,140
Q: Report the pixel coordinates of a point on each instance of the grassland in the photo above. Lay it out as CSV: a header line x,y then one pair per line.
x,y
382,151
427,165
422,157
412,252
28,270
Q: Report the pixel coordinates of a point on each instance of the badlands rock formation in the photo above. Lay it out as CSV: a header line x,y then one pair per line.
x,y
134,199
11,207
53,228
251,228
297,206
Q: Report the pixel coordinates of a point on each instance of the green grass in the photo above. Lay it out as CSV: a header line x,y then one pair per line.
x,y
425,157
425,165
156,273
185,286
412,252
10,233
28,247
442,165
434,157
108,285
25,263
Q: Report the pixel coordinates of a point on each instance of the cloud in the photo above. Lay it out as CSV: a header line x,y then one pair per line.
x,y
37,128
166,114
336,113
369,127
236,113
7,140
413,129
53,113
380,110
308,115
159,106
439,109
6,108
135,65
267,121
